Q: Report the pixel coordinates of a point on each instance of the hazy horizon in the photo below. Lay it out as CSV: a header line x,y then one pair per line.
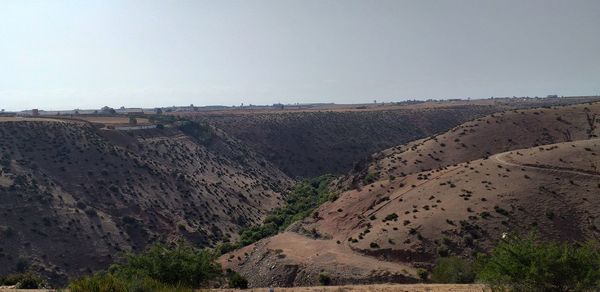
x,y
87,54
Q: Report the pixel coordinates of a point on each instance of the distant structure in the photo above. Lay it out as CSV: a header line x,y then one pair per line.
x,y
35,112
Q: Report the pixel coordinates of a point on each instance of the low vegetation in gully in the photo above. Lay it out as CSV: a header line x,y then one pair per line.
x,y
301,201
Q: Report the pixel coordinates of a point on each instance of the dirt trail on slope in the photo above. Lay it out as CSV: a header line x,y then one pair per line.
x,y
500,158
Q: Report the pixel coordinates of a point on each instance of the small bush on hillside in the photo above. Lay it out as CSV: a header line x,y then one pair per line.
x,y
26,280
371,178
226,247
238,281
392,216
453,270
324,279
423,274
31,281
201,131
526,264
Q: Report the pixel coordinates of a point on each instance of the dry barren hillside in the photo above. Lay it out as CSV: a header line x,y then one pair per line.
x,y
406,218
72,196
491,134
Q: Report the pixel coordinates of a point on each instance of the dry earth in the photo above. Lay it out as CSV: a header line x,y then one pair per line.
x,y
408,217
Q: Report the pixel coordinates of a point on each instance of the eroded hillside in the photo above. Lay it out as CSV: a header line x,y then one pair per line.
x,y
73,196
534,170
491,134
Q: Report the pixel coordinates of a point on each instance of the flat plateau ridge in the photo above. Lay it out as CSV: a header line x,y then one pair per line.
x,y
451,194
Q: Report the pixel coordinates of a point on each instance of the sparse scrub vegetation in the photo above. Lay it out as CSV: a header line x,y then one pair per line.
x,y
24,280
453,270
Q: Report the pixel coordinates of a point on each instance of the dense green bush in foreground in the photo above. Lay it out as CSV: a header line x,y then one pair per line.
x,y
104,282
25,280
453,270
526,264
160,268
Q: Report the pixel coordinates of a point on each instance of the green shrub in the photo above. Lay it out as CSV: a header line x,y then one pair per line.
x,y
27,280
524,264
423,274
501,211
10,279
453,270
226,247
201,131
390,217
103,282
370,178
324,279
160,268
31,281
238,281
181,264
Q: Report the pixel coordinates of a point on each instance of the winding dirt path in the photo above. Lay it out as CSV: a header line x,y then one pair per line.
x,y
500,158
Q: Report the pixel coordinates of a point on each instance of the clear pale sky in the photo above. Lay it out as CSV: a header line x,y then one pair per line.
x,y
86,54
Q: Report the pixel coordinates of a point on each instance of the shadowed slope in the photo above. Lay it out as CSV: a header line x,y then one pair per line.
x,y
73,196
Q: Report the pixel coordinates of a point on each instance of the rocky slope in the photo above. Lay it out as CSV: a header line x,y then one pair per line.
x,y
73,196
534,170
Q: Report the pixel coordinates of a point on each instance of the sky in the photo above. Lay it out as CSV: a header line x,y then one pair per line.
x,y
86,54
